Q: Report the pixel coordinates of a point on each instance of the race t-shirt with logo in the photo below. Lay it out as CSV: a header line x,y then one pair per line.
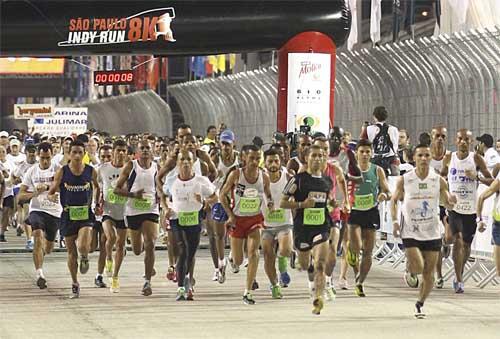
x,y
37,176
462,186
420,207
366,193
7,169
174,173
16,159
113,204
247,197
280,216
185,207
303,186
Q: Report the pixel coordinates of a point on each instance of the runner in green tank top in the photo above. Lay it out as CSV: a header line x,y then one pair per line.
x,y
364,219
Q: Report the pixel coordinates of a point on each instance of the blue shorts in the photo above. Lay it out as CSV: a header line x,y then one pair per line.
x,y
495,233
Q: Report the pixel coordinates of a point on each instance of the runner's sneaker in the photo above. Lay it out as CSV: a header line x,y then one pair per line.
x,y
245,263
419,311
460,288
99,282
41,282
171,273
2,238
84,264
146,289
115,285
343,284
317,305
222,274
75,291
109,267
216,275
276,292
190,295
284,279
234,268
181,294
439,283
62,243
359,290
248,299
330,292
19,231
411,279
255,285
29,245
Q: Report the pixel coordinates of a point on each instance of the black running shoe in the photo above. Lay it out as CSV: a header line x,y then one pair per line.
x,y
75,291
248,299
99,282
41,282
255,285
419,311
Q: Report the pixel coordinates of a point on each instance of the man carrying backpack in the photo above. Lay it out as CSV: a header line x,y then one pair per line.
x,y
384,138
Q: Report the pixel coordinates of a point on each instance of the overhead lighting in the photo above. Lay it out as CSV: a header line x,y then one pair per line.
x,y
425,13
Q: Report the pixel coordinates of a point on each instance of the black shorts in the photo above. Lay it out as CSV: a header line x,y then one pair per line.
x,y
119,224
134,222
423,245
71,227
463,223
8,201
97,226
45,222
365,219
304,239
174,224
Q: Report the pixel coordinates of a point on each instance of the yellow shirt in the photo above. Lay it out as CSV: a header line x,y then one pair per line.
x,y
209,141
86,159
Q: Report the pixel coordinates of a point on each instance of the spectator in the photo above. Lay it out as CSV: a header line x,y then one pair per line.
x,y
490,155
384,138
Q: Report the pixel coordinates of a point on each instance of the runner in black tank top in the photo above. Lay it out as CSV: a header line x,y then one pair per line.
x,y
76,183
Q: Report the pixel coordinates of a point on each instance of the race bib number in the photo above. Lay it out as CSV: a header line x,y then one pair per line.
x,y
249,205
113,198
365,202
189,218
78,213
314,216
142,204
276,216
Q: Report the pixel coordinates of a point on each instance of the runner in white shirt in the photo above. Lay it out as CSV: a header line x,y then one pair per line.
x,y
137,182
113,211
420,191
43,214
7,169
15,156
460,168
277,226
22,206
189,193
491,156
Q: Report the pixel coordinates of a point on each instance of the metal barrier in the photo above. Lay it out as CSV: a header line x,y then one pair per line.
x,y
453,80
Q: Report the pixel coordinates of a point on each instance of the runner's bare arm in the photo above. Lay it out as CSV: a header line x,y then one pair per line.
x,y
445,196
446,164
340,178
493,189
169,166
226,190
97,188
212,170
120,188
51,194
267,191
204,169
396,197
384,186
24,195
487,179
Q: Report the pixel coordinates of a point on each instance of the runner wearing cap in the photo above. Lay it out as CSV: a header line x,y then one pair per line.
x,y
4,139
224,159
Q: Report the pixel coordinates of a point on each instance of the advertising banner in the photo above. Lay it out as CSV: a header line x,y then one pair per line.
x,y
28,111
308,99
66,120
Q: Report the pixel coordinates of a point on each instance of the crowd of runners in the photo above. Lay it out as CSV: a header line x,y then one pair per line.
x,y
303,205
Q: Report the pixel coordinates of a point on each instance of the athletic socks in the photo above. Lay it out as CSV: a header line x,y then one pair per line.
x,y
222,262
39,272
282,264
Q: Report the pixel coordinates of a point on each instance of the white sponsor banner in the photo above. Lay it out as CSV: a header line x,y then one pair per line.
x,y
66,120
29,111
309,91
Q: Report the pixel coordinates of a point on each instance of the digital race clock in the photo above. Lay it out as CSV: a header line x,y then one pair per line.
x,y
106,78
